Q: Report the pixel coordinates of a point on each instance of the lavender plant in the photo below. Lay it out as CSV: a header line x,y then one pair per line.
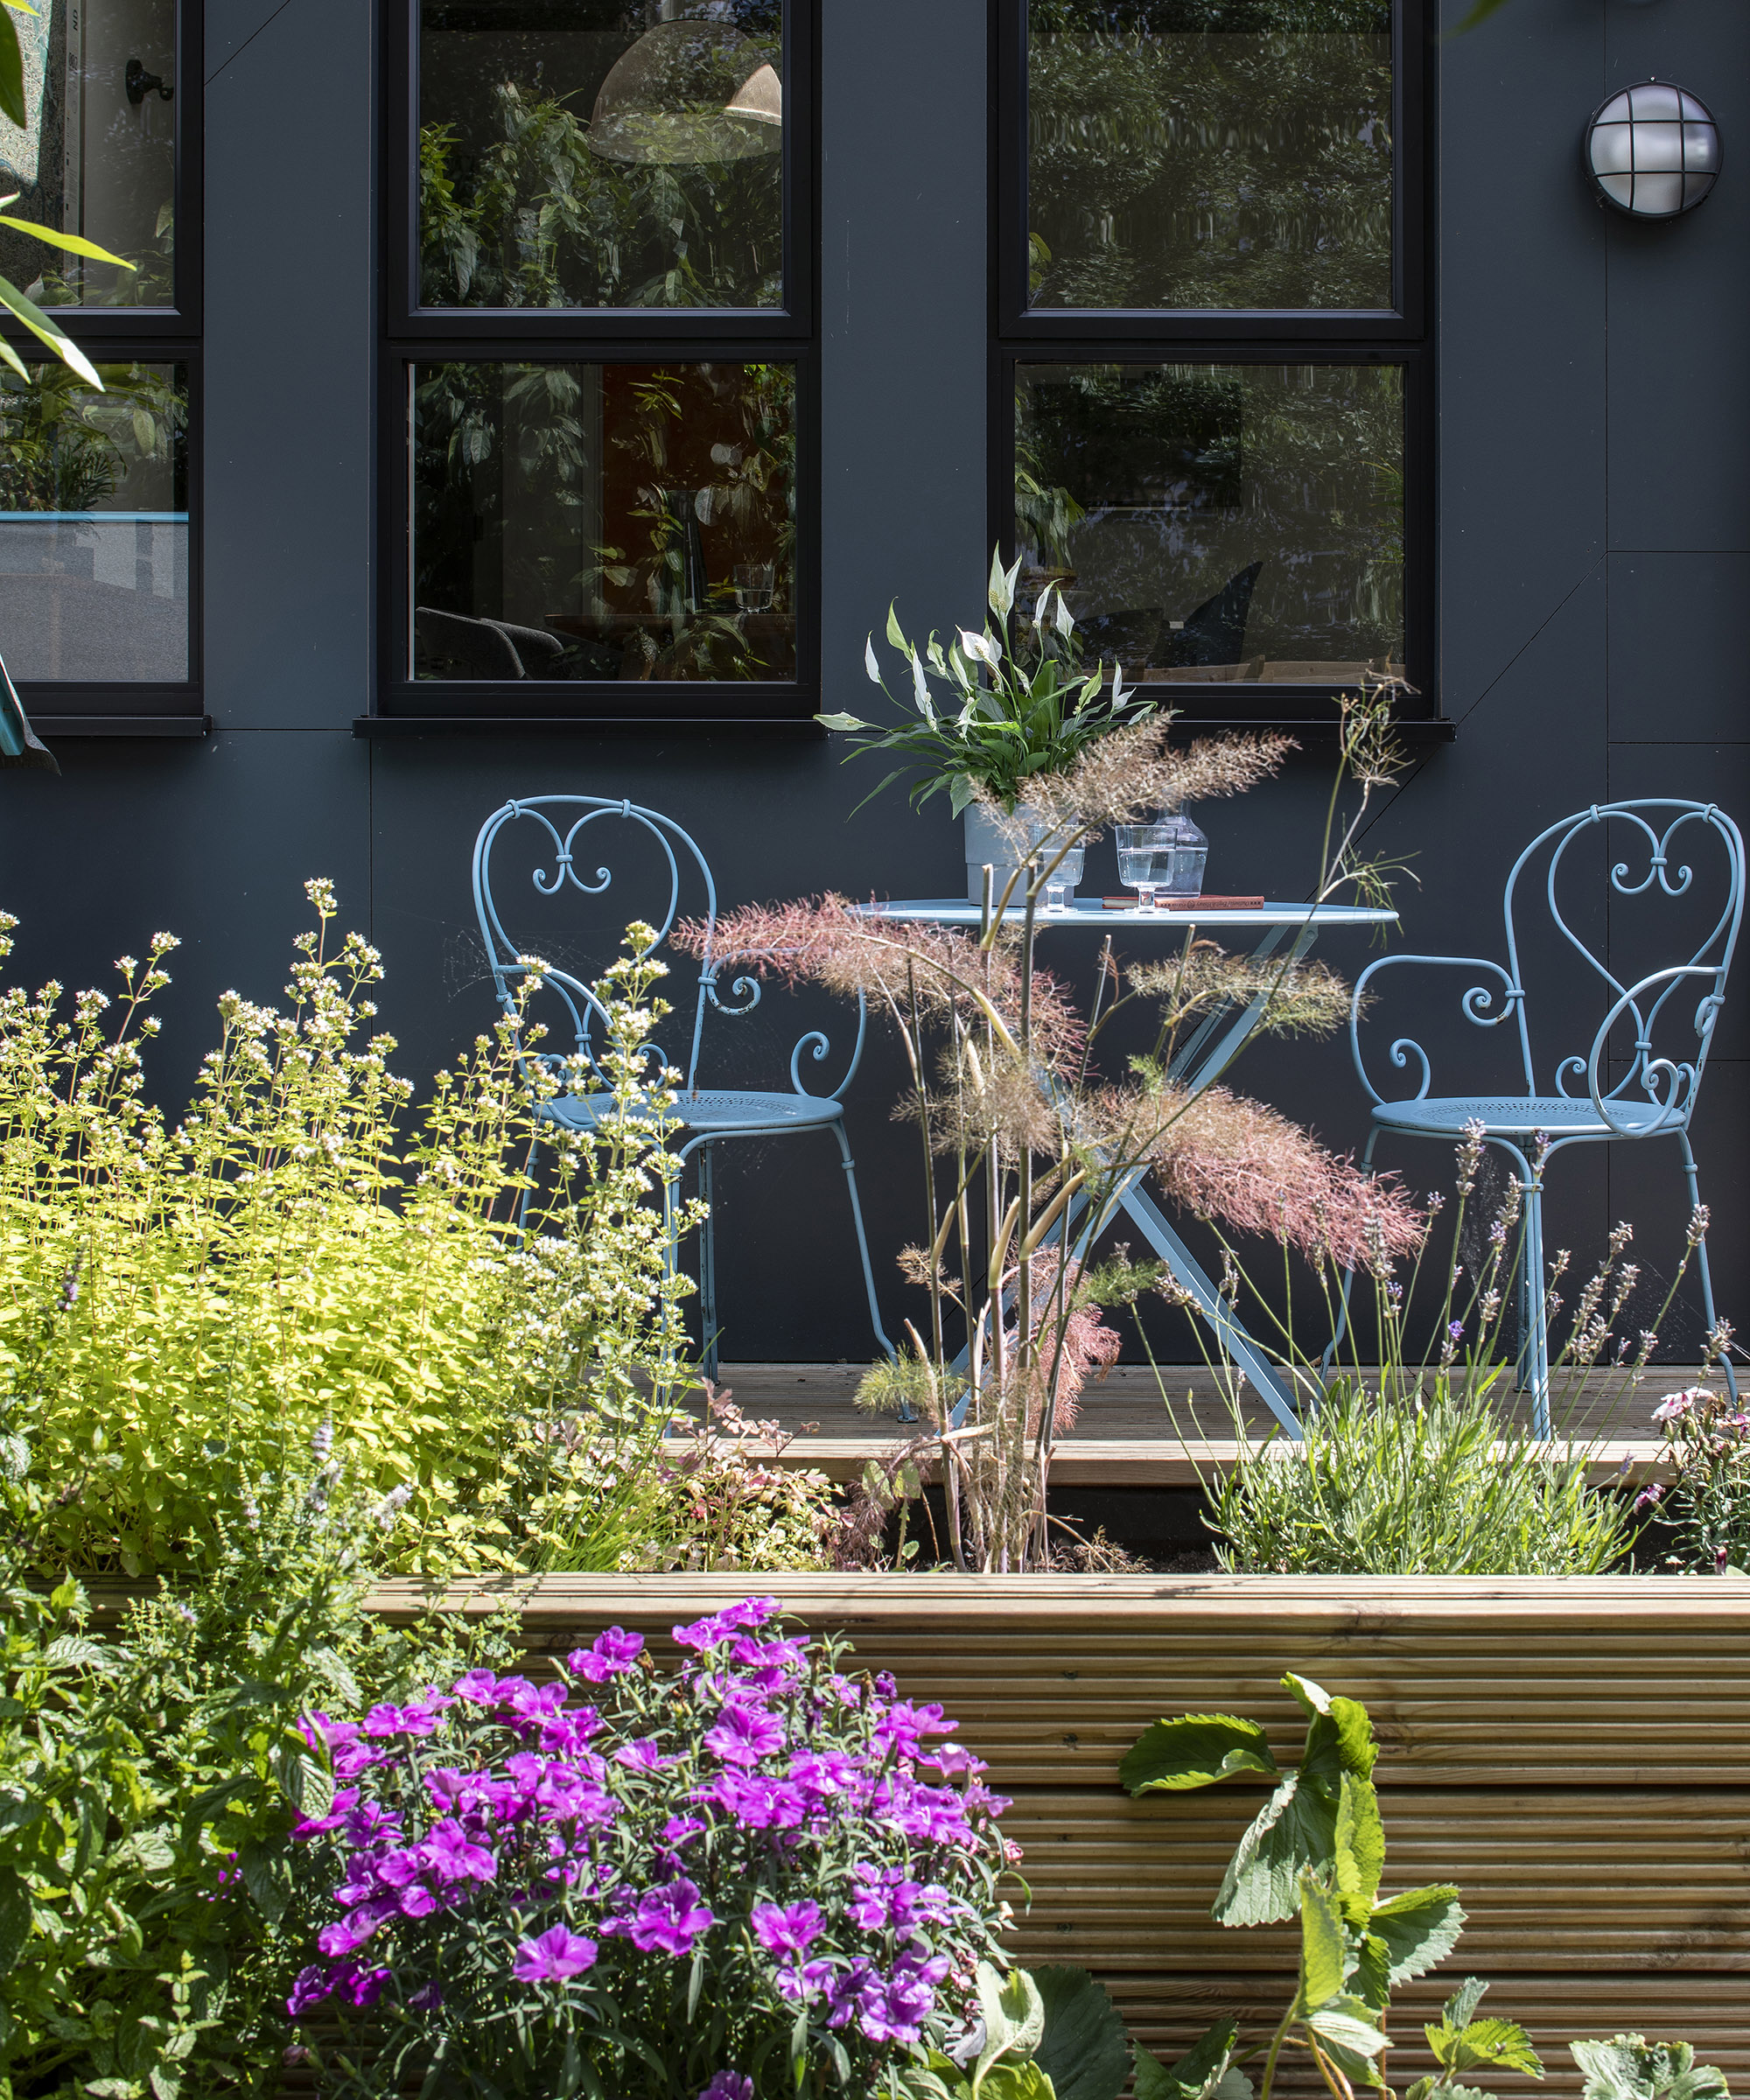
x,y
747,1872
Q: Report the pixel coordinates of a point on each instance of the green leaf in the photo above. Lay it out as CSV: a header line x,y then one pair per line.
x,y
1627,2066
1206,2071
1024,2081
44,330
1359,1840
1338,1740
1313,1698
1084,2050
15,1919
844,721
1195,1751
1462,2041
1349,2024
1014,2017
1323,1946
896,633
75,244
1295,1829
1420,1928
12,73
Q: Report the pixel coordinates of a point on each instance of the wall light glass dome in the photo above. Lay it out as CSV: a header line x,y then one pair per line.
x,y
688,92
1653,151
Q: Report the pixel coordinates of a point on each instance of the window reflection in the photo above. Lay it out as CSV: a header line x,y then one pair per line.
x,y
592,153
94,524
1218,523
604,520
1226,154
96,156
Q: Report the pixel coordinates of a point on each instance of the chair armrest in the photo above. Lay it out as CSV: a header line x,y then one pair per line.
x,y
1677,1079
1473,1004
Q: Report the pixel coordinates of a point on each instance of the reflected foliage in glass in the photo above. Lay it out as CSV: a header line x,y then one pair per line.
x,y
585,153
94,524
1218,523
1209,154
96,156
604,520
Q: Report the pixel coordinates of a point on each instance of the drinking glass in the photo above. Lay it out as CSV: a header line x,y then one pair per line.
x,y
1145,859
1064,877
752,581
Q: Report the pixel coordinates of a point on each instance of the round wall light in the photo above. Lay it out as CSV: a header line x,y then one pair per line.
x,y
1653,151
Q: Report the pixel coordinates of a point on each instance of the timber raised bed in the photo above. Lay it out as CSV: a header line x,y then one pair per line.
x,y
1574,1753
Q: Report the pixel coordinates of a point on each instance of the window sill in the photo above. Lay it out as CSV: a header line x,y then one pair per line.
x,y
375,726
49,726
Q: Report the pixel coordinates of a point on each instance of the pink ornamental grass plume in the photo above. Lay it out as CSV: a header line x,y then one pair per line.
x,y
823,942
1226,1158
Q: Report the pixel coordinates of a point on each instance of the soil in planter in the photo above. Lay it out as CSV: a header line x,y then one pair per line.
x,y
1160,1529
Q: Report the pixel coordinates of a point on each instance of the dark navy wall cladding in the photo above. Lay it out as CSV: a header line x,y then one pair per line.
x,y
1595,559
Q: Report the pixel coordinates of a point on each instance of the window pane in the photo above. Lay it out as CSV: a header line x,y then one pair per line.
x,y
595,521
1232,154
94,524
1216,523
97,154
589,153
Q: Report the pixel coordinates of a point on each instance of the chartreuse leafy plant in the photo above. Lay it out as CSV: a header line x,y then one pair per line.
x,y
184,1305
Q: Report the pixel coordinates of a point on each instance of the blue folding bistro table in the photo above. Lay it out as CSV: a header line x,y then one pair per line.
x,y
1200,1060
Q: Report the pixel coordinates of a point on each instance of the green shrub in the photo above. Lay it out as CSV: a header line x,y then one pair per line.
x,y
181,1307
1383,1485
148,1785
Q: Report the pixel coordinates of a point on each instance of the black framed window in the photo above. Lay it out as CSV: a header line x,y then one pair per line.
x,y
98,487
599,411
1212,419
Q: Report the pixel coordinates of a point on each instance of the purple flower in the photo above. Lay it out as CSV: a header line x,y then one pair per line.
x,y
337,1811
844,1991
894,2008
786,1929
420,1719
953,1762
670,1917
756,1804
453,1856
903,1725
417,1901
713,1631
556,1955
1674,1407
641,1754
1650,1496
607,1655
479,1687
745,1734
1455,1331
311,1988
728,2085
679,1829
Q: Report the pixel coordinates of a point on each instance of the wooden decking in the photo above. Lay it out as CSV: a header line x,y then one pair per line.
x,y
1134,1430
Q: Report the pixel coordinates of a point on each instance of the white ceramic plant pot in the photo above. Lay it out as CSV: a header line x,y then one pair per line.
x,y
985,844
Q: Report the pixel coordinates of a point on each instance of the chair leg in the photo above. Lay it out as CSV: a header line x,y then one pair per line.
x,y
862,1239
708,1331
1701,1262
1336,1340
1533,1344
529,1176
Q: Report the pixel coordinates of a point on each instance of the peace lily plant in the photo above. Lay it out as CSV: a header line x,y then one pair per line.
x,y
1017,705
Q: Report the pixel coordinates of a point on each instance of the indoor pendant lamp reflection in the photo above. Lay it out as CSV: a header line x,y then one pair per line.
x,y
1653,151
693,88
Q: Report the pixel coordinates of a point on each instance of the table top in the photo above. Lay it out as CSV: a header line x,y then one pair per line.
x,y
1088,912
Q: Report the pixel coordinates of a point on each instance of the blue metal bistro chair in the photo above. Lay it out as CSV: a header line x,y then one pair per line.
x,y
1656,1029
707,1115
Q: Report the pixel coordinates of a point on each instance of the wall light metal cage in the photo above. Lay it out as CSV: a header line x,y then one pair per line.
x,y
1653,151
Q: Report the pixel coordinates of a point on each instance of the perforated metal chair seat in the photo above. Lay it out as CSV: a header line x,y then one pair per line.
x,y
707,1110
1517,1115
